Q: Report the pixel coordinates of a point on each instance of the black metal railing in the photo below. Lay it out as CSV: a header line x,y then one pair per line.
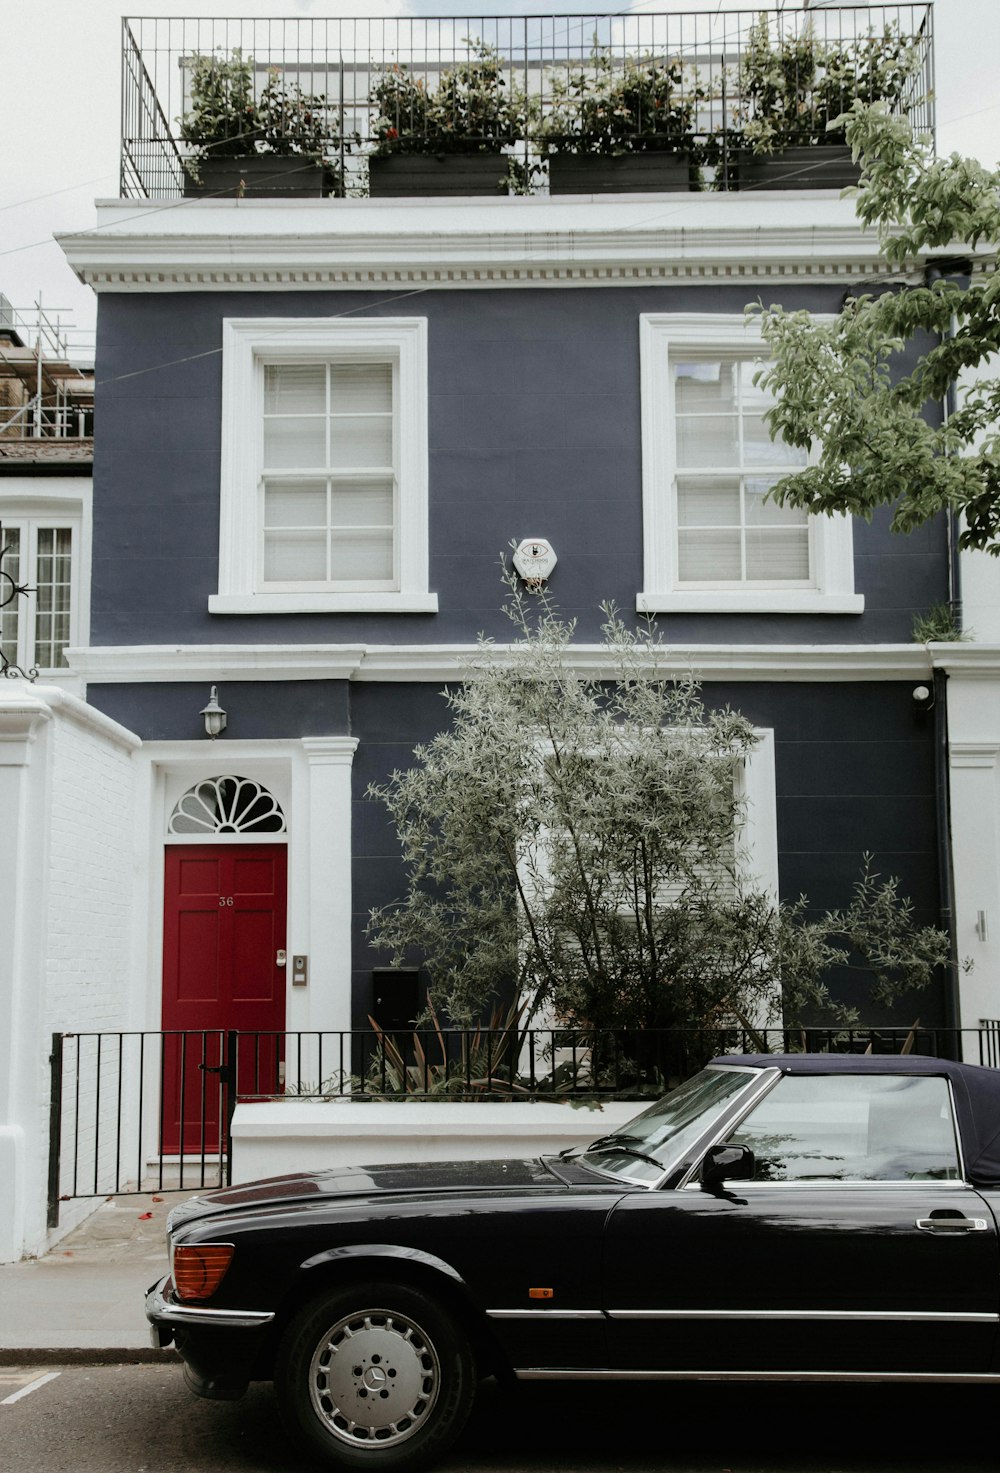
x,y
328,84
148,1111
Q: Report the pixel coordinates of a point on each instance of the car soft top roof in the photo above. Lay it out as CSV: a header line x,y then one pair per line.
x,y
976,1091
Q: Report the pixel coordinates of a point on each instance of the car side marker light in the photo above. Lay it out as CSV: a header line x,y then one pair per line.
x,y
541,1293
199,1269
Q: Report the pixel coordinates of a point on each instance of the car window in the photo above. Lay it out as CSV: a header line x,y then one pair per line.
x,y
664,1131
853,1127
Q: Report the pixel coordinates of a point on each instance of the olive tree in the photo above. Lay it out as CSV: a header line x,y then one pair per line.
x,y
573,841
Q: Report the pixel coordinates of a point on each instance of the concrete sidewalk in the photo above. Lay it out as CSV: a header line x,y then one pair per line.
x,y
84,1300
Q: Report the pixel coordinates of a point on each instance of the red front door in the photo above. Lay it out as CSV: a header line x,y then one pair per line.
x,y
223,926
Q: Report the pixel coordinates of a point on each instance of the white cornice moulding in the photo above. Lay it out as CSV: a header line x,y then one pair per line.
x,y
973,754
300,245
143,664
330,750
966,661
121,664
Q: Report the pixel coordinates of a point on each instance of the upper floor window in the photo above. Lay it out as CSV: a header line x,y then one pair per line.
x,y
42,553
712,539
324,467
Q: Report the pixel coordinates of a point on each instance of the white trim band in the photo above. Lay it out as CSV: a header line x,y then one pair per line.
x,y
140,664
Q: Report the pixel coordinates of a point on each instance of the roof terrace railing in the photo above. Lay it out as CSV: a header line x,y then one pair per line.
x,y
529,87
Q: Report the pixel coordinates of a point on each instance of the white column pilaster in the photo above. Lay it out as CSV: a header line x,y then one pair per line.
x,y
327,1004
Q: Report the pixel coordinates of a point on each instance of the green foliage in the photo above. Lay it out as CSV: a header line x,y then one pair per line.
x,y
632,105
570,841
221,119
937,625
844,388
472,108
484,1061
226,120
794,90
292,121
874,938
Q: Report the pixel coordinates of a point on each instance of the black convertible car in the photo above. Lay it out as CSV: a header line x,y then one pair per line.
x,y
775,1217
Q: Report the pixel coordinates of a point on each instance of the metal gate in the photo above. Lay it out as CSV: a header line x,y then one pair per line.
x,y
107,1124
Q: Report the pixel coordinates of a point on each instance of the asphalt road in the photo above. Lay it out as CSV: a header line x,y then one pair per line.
x,y
140,1419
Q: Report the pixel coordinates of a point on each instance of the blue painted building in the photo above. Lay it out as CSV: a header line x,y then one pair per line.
x,y
577,370
323,422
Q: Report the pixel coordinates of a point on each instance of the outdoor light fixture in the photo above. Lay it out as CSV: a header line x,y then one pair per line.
x,y
923,697
215,717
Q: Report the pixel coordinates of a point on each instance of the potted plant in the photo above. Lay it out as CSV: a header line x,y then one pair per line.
x,y
449,140
277,144
792,94
622,125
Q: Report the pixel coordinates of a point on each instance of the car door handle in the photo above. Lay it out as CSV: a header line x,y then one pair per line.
x,y
952,1224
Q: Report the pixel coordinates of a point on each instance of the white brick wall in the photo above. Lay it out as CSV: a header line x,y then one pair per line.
x,y
67,928
88,987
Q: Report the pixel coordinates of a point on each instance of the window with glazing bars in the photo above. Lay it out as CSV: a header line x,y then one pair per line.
x,y
329,476
728,533
35,630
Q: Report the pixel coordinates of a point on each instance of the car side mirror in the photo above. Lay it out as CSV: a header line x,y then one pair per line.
x,y
727,1163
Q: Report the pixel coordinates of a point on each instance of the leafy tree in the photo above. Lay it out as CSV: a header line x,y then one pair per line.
x,y
570,841
840,386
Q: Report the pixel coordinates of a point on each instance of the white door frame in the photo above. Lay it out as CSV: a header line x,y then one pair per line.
x,y
311,779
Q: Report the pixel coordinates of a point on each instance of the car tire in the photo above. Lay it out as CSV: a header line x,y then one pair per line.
x,y
375,1376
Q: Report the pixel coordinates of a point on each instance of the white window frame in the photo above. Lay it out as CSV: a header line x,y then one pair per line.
x,y
29,514
662,337
755,838
247,345
755,834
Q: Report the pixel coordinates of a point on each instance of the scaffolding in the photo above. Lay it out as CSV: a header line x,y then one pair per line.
x,y
46,376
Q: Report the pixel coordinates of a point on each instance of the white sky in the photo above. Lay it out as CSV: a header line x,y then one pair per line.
x,y
60,121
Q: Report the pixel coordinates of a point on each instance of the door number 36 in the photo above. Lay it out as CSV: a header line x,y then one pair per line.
x,y
225,900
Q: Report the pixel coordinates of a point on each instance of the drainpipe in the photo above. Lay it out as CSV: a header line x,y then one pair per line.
x,y
945,867
935,271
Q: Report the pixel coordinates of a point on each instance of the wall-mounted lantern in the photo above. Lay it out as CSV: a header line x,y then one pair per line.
x,y
215,717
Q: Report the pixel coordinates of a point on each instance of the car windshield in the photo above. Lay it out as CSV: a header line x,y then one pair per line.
x,y
647,1145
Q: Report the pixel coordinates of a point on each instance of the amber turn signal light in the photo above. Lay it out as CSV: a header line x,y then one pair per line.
x,y
200,1269
541,1294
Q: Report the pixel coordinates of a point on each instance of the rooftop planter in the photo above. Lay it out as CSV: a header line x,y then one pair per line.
x,y
615,87
449,140
621,126
793,92
276,144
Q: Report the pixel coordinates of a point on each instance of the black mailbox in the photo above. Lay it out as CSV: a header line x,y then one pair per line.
x,y
395,997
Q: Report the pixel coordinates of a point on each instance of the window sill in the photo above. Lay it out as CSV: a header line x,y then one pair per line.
x,y
323,603
747,601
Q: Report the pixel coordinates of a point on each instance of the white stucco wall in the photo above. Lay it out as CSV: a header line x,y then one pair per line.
x,y
979,573
974,755
308,1135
